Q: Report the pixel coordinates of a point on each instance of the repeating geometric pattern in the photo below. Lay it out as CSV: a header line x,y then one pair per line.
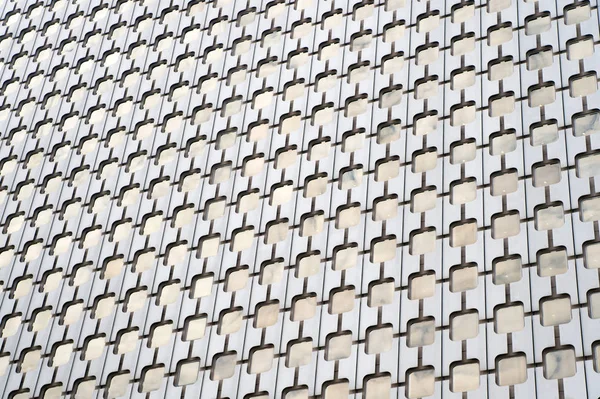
x,y
299,199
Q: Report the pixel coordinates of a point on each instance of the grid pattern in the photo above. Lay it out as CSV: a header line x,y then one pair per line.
x,y
299,199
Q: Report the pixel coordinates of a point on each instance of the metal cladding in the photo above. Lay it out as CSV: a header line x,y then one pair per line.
x,y
299,199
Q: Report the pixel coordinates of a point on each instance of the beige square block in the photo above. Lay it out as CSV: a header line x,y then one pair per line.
x,y
578,49
168,293
423,199
103,306
30,358
390,96
289,123
500,34
511,369
428,22
587,165
332,20
589,208
276,231
117,384
552,262
420,332
464,325
392,64
195,328
336,390
463,191
463,233
421,285
381,293
304,307
583,85
383,249
61,353
501,105
299,353
494,6
271,271
509,318
151,378
394,32
422,241
242,239
596,356
308,264
356,106
464,277
223,366
296,393
538,24
236,279
503,183
261,359
315,185
501,68
546,173
506,225
462,12
40,319
424,160
353,141
593,300
379,339
338,346
312,224
559,362
462,45
377,386
425,123
230,321
550,216
319,149
464,376
463,151
345,256
541,95
420,382
426,88
387,169
462,79
160,334
94,348
577,12
361,41
10,325
427,54
385,208
555,310
266,314
539,59
329,51
187,372
463,114
202,285
342,300
247,201
350,177
591,254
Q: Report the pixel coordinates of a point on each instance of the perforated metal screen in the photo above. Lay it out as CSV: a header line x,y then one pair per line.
x,y
299,199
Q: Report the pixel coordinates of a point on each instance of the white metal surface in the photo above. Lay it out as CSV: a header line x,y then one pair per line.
x,y
299,199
